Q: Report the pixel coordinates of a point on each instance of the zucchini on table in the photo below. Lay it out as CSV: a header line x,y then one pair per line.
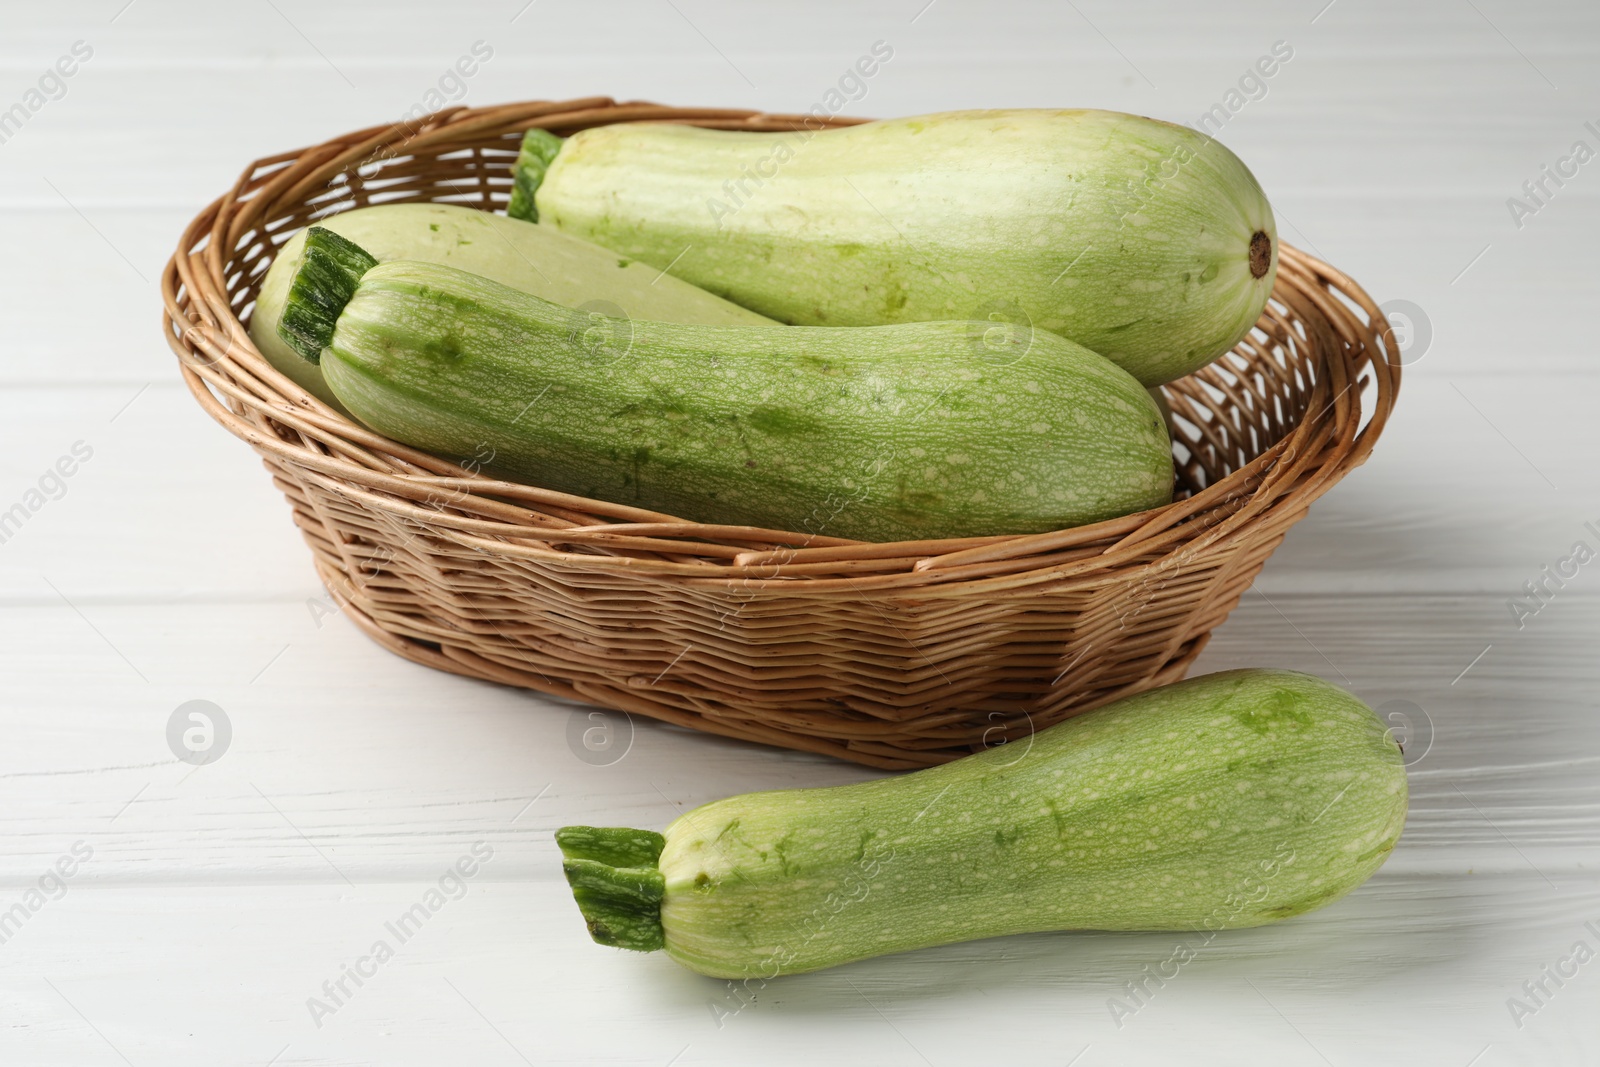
x,y
1147,242
925,430
1235,799
534,259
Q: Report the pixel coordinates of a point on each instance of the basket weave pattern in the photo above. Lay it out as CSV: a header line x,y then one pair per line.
x,y
894,655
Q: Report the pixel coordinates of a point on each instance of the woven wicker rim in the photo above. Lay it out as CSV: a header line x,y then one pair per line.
x,y
1289,435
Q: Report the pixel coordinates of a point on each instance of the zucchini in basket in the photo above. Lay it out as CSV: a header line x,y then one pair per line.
x,y
535,259
924,430
1148,242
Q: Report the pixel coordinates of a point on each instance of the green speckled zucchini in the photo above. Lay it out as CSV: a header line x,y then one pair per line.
x,y
535,259
1147,242
1231,800
937,429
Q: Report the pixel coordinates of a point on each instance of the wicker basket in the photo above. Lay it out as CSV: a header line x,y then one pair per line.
x,y
894,655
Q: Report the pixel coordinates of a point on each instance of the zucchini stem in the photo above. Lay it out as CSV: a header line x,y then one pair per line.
x,y
617,846
330,269
613,875
539,148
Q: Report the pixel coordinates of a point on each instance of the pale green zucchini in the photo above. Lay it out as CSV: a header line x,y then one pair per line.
x,y
534,259
1144,241
1231,800
938,429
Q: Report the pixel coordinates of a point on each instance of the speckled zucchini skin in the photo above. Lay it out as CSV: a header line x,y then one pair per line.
x,y
1145,241
939,429
534,259
1230,800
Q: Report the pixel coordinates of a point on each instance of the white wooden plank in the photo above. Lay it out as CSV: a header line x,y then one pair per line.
x,y
222,976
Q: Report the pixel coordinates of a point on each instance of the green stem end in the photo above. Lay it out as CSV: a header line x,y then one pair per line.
x,y
613,875
539,148
330,269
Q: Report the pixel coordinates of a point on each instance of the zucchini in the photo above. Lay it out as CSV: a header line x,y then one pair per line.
x,y
1147,242
936,429
1231,800
535,259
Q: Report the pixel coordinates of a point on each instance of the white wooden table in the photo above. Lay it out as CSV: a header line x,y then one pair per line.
x,y
206,907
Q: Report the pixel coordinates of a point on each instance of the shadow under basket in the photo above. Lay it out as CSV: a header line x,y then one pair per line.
x,y
893,655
